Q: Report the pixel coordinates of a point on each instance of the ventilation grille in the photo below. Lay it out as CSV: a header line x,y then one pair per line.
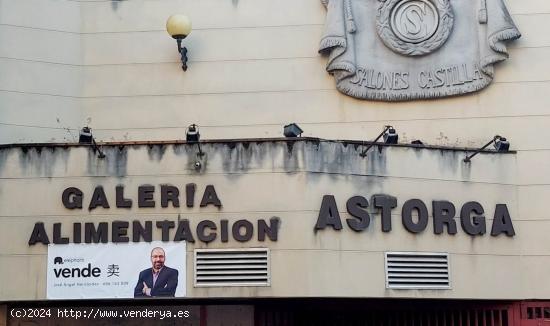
x,y
414,270
232,267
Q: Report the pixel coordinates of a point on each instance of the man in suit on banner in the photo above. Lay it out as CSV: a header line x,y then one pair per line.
x,y
159,280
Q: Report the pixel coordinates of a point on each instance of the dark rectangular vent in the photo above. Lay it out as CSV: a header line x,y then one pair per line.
x,y
417,270
232,267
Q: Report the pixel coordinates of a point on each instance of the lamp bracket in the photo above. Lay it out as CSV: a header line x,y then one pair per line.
x,y
364,153
182,50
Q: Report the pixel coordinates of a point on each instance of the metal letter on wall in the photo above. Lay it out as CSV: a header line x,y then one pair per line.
x,y
398,50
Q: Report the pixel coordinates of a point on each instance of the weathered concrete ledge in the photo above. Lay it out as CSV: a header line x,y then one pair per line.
x,y
253,140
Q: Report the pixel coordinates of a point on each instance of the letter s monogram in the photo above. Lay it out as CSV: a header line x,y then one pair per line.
x,y
415,18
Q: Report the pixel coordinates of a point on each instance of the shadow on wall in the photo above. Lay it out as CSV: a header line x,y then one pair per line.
x,y
114,4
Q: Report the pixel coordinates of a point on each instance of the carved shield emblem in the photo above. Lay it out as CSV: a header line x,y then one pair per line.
x,y
399,50
414,27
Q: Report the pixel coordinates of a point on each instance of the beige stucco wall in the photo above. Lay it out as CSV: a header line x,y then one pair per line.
x,y
254,67
41,71
264,179
254,62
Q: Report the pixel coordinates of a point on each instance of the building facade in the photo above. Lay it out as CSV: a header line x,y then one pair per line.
x,y
300,226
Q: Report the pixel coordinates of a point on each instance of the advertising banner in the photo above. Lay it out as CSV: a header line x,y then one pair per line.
x,y
122,270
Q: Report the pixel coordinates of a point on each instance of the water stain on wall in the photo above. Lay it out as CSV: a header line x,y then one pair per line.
x,y
41,161
115,162
156,152
115,4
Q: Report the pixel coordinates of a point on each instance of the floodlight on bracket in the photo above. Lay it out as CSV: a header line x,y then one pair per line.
x,y
500,143
390,137
193,136
86,137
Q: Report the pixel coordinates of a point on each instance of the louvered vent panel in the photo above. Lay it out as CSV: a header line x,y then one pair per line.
x,y
417,270
232,267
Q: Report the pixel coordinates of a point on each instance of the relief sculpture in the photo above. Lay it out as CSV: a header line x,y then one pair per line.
x,y
398,50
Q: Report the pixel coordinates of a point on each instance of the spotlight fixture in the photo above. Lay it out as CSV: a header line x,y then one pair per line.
x,y
390,137
417,142
500,143
179,26
193,136
292,130
87,138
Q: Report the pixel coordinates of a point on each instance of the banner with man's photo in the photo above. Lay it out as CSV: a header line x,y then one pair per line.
x,y
127,270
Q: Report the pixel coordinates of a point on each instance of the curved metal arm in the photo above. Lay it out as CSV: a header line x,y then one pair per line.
x,y
183,51
364,153
469,157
